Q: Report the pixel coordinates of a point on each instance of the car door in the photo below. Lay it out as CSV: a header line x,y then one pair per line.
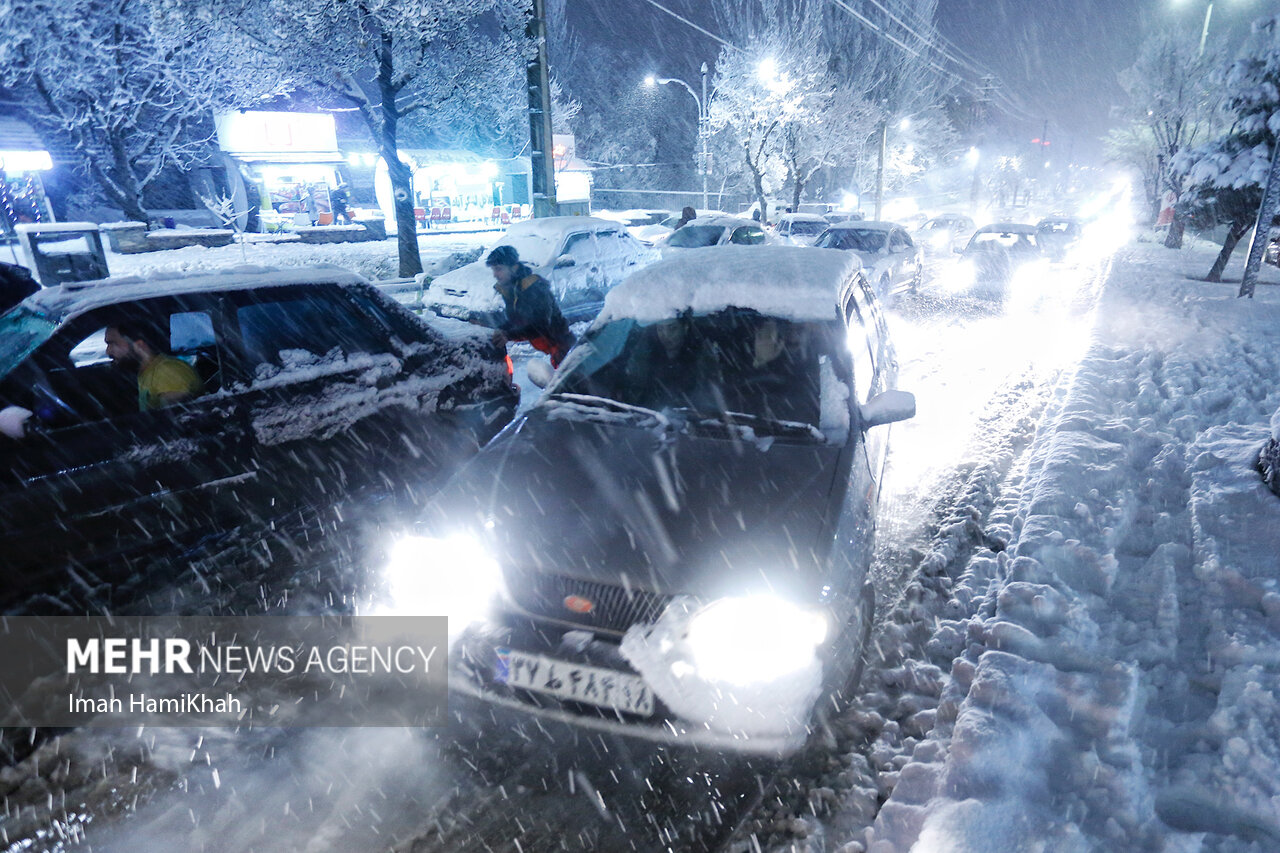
x,y
578,278
95,479
868,344
334,398
900,267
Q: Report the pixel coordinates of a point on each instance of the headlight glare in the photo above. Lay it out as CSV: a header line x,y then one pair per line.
x,y
452,577
754,639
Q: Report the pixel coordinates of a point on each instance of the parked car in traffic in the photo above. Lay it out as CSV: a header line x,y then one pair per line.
x,y
716,230
999,259
673,543
944,232
581,257
892,262
799,229
311,385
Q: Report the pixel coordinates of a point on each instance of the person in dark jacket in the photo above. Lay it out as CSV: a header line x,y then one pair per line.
x,y
16,284
686,216
531,311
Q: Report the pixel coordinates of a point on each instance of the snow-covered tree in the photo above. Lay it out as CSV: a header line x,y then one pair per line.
x,y
132,94
1171,107
430,62
1224,178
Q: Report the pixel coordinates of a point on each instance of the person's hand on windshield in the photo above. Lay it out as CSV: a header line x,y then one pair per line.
x,y
13,421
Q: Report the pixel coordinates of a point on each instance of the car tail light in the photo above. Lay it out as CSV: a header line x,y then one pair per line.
x,y
511,368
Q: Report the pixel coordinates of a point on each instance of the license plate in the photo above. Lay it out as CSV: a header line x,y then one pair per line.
x,y
591,685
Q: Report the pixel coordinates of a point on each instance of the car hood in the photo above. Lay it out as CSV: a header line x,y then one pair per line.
x,y
568,492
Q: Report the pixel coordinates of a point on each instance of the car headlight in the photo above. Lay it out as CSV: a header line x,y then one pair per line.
x,y
453,577
754,639
963,276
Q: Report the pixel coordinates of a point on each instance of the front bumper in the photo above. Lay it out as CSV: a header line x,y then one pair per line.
x,y
471,673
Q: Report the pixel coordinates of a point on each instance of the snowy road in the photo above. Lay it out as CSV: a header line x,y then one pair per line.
x,y
954,470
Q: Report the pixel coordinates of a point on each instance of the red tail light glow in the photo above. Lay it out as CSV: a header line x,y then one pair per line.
x,y
511,368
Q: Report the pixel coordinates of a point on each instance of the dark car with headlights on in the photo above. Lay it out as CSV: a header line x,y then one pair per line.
x,y
313,385
673,543
1000,261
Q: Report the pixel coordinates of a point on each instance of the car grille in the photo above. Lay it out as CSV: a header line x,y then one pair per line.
x,y
613,608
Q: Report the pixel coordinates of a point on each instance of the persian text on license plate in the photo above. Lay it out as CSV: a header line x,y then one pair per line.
x,y
604,688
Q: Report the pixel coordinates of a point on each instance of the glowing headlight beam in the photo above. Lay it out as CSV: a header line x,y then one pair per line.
x,y
453,577
754,639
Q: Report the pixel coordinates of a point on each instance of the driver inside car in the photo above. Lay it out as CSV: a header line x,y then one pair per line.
x,y
669,369
163,380
779,382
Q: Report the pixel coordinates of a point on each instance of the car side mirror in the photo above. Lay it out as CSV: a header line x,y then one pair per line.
x,y
540,372
565,261
888,407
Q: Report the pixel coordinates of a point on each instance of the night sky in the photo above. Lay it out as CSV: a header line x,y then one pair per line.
x,y
1058,59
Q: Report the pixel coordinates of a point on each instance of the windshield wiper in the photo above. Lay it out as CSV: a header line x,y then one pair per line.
x,y
592,401
758,424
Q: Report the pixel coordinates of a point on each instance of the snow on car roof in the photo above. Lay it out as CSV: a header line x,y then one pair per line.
x,y
864,225
801,217
554,227
792,282
84,296
1007,228
722,219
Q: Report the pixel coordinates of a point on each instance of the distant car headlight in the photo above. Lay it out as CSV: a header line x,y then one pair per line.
x,y
453,577
754,639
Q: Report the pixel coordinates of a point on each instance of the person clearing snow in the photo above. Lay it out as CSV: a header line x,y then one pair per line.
x,y
532,313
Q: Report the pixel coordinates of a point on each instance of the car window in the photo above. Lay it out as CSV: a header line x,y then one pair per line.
x,y
898,242
855,239
696,236
579,247
274,330
747,235
864,370
807,229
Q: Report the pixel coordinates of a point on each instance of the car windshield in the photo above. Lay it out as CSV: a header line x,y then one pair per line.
x,y
696,236
808,229
1012,240
733,361
857,239
22,330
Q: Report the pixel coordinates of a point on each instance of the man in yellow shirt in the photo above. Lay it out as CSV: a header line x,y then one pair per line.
x,y
162,379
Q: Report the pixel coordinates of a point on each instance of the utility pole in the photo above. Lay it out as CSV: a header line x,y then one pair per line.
x,y
704,133
1267,211
884,142
979,121
539,83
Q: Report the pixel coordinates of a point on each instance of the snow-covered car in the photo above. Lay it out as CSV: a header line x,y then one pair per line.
x,y
1057,235
645,225
892,262
941,234
722,230
673,543
315,384
999,259
582,257
799,229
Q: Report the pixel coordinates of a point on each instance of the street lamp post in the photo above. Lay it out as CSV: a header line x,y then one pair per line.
x,y
704,123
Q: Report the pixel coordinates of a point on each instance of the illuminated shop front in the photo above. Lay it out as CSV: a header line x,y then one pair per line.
x,y
22,160
291,160
448,186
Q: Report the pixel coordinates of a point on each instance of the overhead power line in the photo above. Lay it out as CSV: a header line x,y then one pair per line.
x,y
684,20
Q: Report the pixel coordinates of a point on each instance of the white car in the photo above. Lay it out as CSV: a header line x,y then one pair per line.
x,y
891,261
582,257
800,229
716,231
945,232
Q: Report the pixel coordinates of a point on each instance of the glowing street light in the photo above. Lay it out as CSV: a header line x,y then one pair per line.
x,y
905,124
704,121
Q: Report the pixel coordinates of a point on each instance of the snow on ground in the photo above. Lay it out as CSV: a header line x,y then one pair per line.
x,y
1116,684
376,259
